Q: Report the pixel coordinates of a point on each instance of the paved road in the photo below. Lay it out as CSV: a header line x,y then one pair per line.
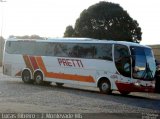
x,y
15,96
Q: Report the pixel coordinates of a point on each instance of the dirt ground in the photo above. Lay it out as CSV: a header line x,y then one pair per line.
x,y
17,97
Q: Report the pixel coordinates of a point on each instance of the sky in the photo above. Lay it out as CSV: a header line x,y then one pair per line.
x,y
49,18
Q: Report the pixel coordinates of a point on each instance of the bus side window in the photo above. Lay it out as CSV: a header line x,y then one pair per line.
x,y
103,51
122,60
8,47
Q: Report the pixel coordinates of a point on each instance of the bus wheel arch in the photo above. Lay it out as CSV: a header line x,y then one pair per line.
x,y
27,75
38,77
104,85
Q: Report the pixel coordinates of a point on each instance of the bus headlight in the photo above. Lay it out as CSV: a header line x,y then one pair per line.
x,y
136,84
153,85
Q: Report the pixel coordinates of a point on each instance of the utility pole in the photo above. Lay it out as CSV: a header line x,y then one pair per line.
x,y
1,38
2,16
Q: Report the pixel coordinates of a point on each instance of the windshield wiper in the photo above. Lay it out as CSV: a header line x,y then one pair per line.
x,y
147,73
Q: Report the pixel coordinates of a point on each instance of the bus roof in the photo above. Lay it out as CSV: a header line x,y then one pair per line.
x,y
79,40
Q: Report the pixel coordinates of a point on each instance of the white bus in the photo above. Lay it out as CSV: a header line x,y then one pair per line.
x,y
108,65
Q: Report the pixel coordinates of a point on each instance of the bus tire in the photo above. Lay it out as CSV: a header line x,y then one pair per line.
x,y
59,84
26,76
38,78
105,86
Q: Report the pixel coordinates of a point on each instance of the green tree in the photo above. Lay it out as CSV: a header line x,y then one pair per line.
x,y
36,37
69,31
106,20
27,37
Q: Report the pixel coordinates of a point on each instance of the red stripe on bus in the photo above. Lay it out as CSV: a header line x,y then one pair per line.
x,y
28,63
34,63
70,77
41,65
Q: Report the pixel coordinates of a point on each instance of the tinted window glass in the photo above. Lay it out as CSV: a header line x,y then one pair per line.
x,y
143,63
122,60
60,50
85,50
25,47
103,51
12,47
41,49
77,50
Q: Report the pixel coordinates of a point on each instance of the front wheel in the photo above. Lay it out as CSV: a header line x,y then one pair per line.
x,y
105,87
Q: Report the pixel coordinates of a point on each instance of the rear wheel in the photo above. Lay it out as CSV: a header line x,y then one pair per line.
x,y
26,76
38,77
105,87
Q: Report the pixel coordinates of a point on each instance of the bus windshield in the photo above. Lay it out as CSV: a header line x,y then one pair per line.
x,y
143,65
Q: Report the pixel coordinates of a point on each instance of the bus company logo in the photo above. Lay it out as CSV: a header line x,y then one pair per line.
x,y
114,76
70,62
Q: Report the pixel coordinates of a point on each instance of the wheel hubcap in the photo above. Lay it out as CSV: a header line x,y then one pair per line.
x,y
38,78
26,78
105,86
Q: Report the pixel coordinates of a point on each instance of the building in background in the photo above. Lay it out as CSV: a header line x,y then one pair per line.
x,y
156,51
